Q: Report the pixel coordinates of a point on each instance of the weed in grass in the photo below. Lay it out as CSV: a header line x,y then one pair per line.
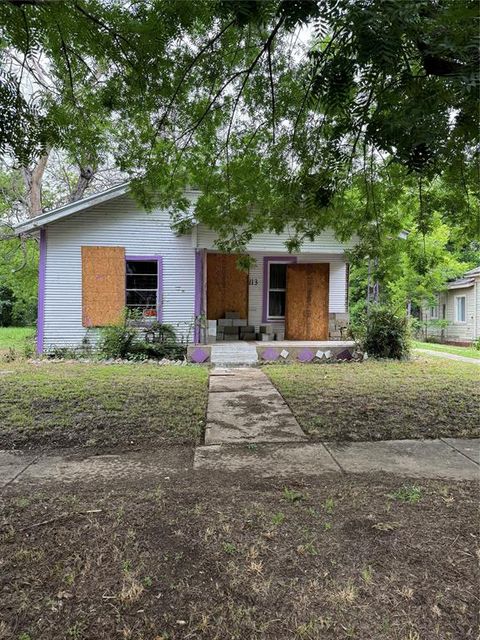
x,y
278,518
24,636
345,595
256,567
147,581
307,629
445,495
327,526
132,589
385,526
313,512
329,505
293,496
251,446
126,566
408,493
70,579
229,548
308,548
367,574
24,554
76,631
22,502
407,592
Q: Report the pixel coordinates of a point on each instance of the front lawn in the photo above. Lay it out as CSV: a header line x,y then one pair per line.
x,y
422,398
97,405
15,337
227,557
469,352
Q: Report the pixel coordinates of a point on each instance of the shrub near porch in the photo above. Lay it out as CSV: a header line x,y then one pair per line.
x,y
101,406
383,400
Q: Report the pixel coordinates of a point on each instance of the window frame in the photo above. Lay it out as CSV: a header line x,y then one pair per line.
x,y
159,290
434,312
457,319
267,261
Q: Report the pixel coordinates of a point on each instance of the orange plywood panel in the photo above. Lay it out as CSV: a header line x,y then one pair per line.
x,y
227,286
103,285
306,314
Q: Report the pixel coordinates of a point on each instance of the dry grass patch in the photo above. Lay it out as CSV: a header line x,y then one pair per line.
x,y
421,398
213,559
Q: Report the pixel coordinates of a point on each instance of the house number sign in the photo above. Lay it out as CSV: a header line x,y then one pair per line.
x,y
253,282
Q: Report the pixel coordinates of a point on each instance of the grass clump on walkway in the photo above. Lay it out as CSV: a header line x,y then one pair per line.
x,y
373,400
50,405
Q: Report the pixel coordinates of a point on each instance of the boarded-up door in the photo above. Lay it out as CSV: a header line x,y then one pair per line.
x,y
103,285
227,286
306,314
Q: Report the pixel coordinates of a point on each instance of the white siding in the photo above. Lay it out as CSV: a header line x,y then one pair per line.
x,y
119,222
462,332
271,242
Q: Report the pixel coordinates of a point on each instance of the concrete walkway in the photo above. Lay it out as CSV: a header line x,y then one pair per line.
x,y
446,458
24,467
448,356
244,406
250,428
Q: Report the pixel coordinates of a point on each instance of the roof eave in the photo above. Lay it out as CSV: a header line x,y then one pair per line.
x,y
33,224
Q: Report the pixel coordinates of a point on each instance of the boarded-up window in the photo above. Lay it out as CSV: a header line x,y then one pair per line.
x,y
227,286
103,285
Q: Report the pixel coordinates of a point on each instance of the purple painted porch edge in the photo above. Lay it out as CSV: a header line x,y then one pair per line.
x,y
42,267
159,261
197,306
266,261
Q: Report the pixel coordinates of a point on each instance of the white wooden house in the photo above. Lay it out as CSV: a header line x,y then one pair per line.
x,y
459,307
105,252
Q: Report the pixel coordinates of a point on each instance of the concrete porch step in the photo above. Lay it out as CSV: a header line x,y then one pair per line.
x,y
234,353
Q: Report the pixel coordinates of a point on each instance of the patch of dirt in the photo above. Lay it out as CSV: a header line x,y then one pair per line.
x,y
212,556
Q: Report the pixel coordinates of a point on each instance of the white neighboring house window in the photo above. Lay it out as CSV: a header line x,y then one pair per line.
x,y
460,310
434,312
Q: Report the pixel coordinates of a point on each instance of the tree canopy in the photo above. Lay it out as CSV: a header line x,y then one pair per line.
x,y
282,112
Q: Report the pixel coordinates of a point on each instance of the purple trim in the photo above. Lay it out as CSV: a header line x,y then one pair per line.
x,y
270,354
197,306
199,355
42,267
266,262
159,261
306,355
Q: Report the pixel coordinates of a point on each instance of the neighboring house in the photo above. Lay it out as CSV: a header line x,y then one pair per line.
x,y
459,306
104,252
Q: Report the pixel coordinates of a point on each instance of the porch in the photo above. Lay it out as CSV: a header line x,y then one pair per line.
x,y
251,353
281,298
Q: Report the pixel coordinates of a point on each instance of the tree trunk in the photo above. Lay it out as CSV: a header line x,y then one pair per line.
x,y
32,178
84,179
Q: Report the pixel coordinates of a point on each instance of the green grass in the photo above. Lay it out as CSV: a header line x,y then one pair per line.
x,y
469,352
15,337
422,398
97,405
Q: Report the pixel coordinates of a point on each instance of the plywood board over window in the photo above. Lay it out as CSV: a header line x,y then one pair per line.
x,y
306,316
103,285
227,286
